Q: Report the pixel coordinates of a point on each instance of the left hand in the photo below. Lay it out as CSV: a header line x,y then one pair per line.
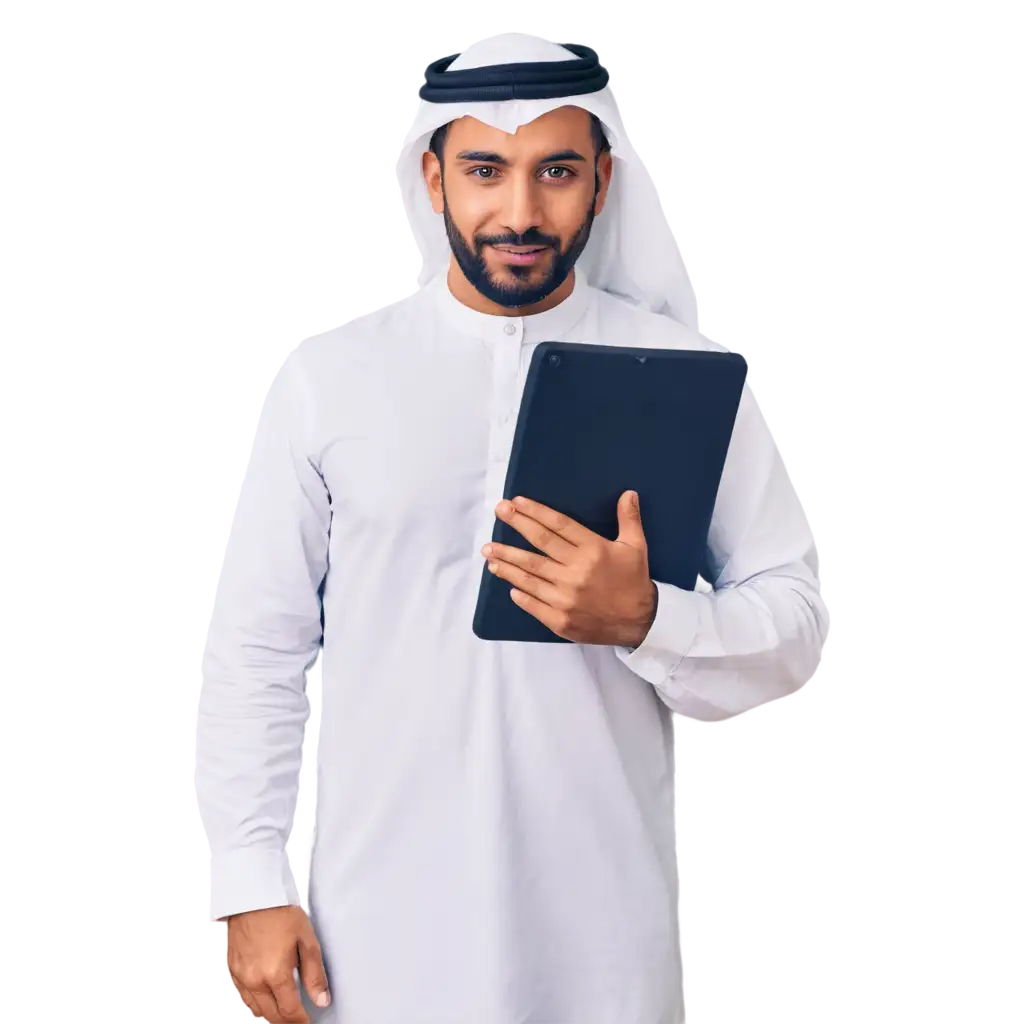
x,y
584,587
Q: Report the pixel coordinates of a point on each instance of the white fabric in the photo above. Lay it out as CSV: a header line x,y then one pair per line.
x,y
495,832
631,251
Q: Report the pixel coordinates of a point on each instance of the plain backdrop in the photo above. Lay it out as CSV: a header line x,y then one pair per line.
x,y
181,193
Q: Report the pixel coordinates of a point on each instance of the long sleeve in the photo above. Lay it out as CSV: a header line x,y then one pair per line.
x,y
759,634
266,631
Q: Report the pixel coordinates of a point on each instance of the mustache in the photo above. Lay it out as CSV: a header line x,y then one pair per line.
x,y
526,239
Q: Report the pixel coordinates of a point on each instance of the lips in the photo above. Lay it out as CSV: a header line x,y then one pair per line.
x,y
520,256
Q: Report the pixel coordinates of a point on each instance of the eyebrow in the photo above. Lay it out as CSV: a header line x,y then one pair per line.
x,y
482,156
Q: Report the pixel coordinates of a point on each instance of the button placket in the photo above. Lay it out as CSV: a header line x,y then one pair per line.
x,y
505,385
505,364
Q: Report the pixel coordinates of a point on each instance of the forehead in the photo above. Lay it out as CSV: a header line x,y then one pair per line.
x,y
566,124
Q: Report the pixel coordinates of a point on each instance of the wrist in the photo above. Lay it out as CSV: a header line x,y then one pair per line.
x,y
650,611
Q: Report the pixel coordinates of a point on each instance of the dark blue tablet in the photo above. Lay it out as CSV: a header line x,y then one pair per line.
x,y
597,420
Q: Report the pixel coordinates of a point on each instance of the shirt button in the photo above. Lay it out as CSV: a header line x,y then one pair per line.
x,y
510,328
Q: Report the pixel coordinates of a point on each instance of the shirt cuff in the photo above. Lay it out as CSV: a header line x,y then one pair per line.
x,y
250,879
670,637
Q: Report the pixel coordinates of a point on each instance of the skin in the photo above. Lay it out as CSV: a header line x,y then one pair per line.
x,y
528,200
583,587
264,948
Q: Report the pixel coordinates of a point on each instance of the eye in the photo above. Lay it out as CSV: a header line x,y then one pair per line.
x,y
559,167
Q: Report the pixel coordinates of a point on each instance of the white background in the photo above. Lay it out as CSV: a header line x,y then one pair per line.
x,y
181,193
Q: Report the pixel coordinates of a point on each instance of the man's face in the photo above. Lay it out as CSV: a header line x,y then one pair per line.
x,y
539,188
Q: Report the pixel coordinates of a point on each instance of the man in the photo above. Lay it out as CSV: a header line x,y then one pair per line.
x,y
495,821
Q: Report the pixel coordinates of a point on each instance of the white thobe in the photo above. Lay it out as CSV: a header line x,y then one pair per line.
x,y
495,833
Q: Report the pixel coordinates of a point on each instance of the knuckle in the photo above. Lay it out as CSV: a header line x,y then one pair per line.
x,y
287,1011
278,977
257,975
577,585
251,979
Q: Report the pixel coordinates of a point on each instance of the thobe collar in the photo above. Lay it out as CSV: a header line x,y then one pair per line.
x,y
551,323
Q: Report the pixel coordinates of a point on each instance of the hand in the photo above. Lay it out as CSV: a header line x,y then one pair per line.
x,y
264,947
584,587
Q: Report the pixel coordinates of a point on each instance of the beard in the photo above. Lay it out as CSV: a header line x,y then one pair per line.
x,y
518,293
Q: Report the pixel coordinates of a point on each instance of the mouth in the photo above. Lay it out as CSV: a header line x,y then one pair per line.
x,y
521,253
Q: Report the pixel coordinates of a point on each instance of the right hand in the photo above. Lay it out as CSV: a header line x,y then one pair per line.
x,y
264,948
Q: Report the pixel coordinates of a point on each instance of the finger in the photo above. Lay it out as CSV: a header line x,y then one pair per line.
x,y
289,1005
253,1016
529,561
558,522
246,997
542,537
311,969
551,617
533,585
239,991
266,1004
251,1004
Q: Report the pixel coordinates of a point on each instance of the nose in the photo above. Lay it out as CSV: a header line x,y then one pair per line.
x,y
523,210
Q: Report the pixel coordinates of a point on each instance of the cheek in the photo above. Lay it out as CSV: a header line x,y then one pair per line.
x,y
470,207
568,216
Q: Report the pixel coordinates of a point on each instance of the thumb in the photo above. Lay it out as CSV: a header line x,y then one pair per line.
x,y
311,968
631,530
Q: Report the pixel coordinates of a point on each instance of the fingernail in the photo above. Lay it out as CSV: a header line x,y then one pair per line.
x,y
486,549
504,507
323,999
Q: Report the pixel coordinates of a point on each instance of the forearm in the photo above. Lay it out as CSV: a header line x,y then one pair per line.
x,y
759,634
249,738
741,645
714,655
264,634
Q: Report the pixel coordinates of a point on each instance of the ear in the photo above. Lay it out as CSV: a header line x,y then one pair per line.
x,y
432,176
605,163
